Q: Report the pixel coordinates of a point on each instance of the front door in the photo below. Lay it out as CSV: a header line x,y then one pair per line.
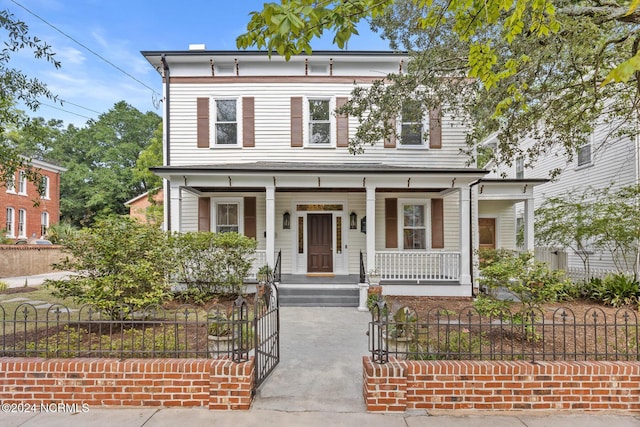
x,y
320,246
487,232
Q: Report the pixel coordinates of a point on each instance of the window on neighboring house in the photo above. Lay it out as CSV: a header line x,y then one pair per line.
x,y
226,125
45,185
412,127
319,122
22,182
584,155
22,223
227,218
11,184
9,224
520,168
44,223
414,228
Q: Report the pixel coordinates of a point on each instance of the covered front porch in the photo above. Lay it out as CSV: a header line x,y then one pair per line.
x,y
330,223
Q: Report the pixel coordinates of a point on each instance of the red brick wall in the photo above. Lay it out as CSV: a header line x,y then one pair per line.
x,y
26,202
447,385
213,383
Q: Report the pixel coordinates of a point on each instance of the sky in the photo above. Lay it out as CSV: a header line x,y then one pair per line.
x,y
98,43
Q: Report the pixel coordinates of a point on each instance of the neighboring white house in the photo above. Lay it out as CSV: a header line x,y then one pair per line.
x,y
252,144
601,163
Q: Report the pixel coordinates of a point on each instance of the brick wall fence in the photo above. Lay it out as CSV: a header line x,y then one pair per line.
x,y
500,385
212,383
26,260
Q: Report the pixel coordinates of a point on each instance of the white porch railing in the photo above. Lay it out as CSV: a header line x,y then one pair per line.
x,y
399,265
259,259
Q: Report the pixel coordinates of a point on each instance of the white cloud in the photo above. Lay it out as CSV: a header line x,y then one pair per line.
x,y
70,56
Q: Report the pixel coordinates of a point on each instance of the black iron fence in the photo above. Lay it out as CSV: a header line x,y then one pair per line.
x,y
532,335
230,330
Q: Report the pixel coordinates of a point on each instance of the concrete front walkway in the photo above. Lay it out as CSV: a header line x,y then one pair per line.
x,y
320,368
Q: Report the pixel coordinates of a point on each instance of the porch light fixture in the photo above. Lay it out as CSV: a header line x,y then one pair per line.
x,y
363,225
286,221
353,221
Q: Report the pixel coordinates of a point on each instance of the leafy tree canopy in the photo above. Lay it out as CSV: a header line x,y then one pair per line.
x,y
16,86
519,68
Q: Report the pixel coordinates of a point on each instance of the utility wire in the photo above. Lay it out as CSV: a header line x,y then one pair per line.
x,y
85,47
66,111
63,101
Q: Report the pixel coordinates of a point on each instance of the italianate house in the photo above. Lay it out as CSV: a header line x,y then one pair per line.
x,y
253,144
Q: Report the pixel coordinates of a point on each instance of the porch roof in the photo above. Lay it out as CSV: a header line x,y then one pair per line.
x,y
515,189
317,175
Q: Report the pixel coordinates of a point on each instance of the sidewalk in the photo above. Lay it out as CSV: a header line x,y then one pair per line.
x,y
150,417
36,280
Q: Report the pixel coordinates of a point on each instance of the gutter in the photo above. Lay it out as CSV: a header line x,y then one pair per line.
x,y
167,138
473,184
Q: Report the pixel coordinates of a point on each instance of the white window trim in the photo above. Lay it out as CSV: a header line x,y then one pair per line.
x,y
11,185
427,223
215,201
213,121
497,236
307,122
24,227
22,178
11,232
519,165
44,221
47,182
424,138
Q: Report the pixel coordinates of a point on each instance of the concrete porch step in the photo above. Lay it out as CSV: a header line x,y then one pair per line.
x,y
318,296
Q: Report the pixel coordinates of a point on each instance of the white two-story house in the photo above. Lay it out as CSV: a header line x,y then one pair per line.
x,y
253,144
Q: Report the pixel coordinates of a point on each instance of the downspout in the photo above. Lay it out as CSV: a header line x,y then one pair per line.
x,y
473,184
167,138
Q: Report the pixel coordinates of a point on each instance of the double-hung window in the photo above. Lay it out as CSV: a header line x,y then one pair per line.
x,y
227,217
584,155
22,182
22,223
226,123
319,122
11,184
45,187
9,224
414,229
520,168
412,131
44,223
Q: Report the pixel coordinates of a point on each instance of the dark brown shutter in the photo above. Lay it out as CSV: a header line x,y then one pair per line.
x,y
342,125
390,141
204,214
437,223
248,122
435,129
250,217
203,122
296,121
391,223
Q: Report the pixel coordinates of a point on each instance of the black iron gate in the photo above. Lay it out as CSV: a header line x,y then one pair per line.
x,y
267,332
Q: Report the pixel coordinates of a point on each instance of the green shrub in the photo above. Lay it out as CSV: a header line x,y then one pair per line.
x,y
619,290
3,286
120,264
491,307
59,233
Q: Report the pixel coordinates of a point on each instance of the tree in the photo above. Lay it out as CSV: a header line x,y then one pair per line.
x,y
521,68
101,160
603,220
16,86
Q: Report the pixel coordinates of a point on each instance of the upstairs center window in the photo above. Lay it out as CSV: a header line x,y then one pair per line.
x,y
319,122
226,126
584,155
412,130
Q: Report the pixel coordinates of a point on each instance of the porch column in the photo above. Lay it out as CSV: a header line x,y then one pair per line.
x,y
371,228
176,207
271,225
529,243
465,236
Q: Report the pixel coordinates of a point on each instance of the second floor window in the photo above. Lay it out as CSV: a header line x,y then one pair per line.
x,y
9,224
22,183
412,128
319,122
11,184
226,125
584,155
520,168
45,185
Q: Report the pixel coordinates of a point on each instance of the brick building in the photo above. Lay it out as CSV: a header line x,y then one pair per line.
x,y
25,213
